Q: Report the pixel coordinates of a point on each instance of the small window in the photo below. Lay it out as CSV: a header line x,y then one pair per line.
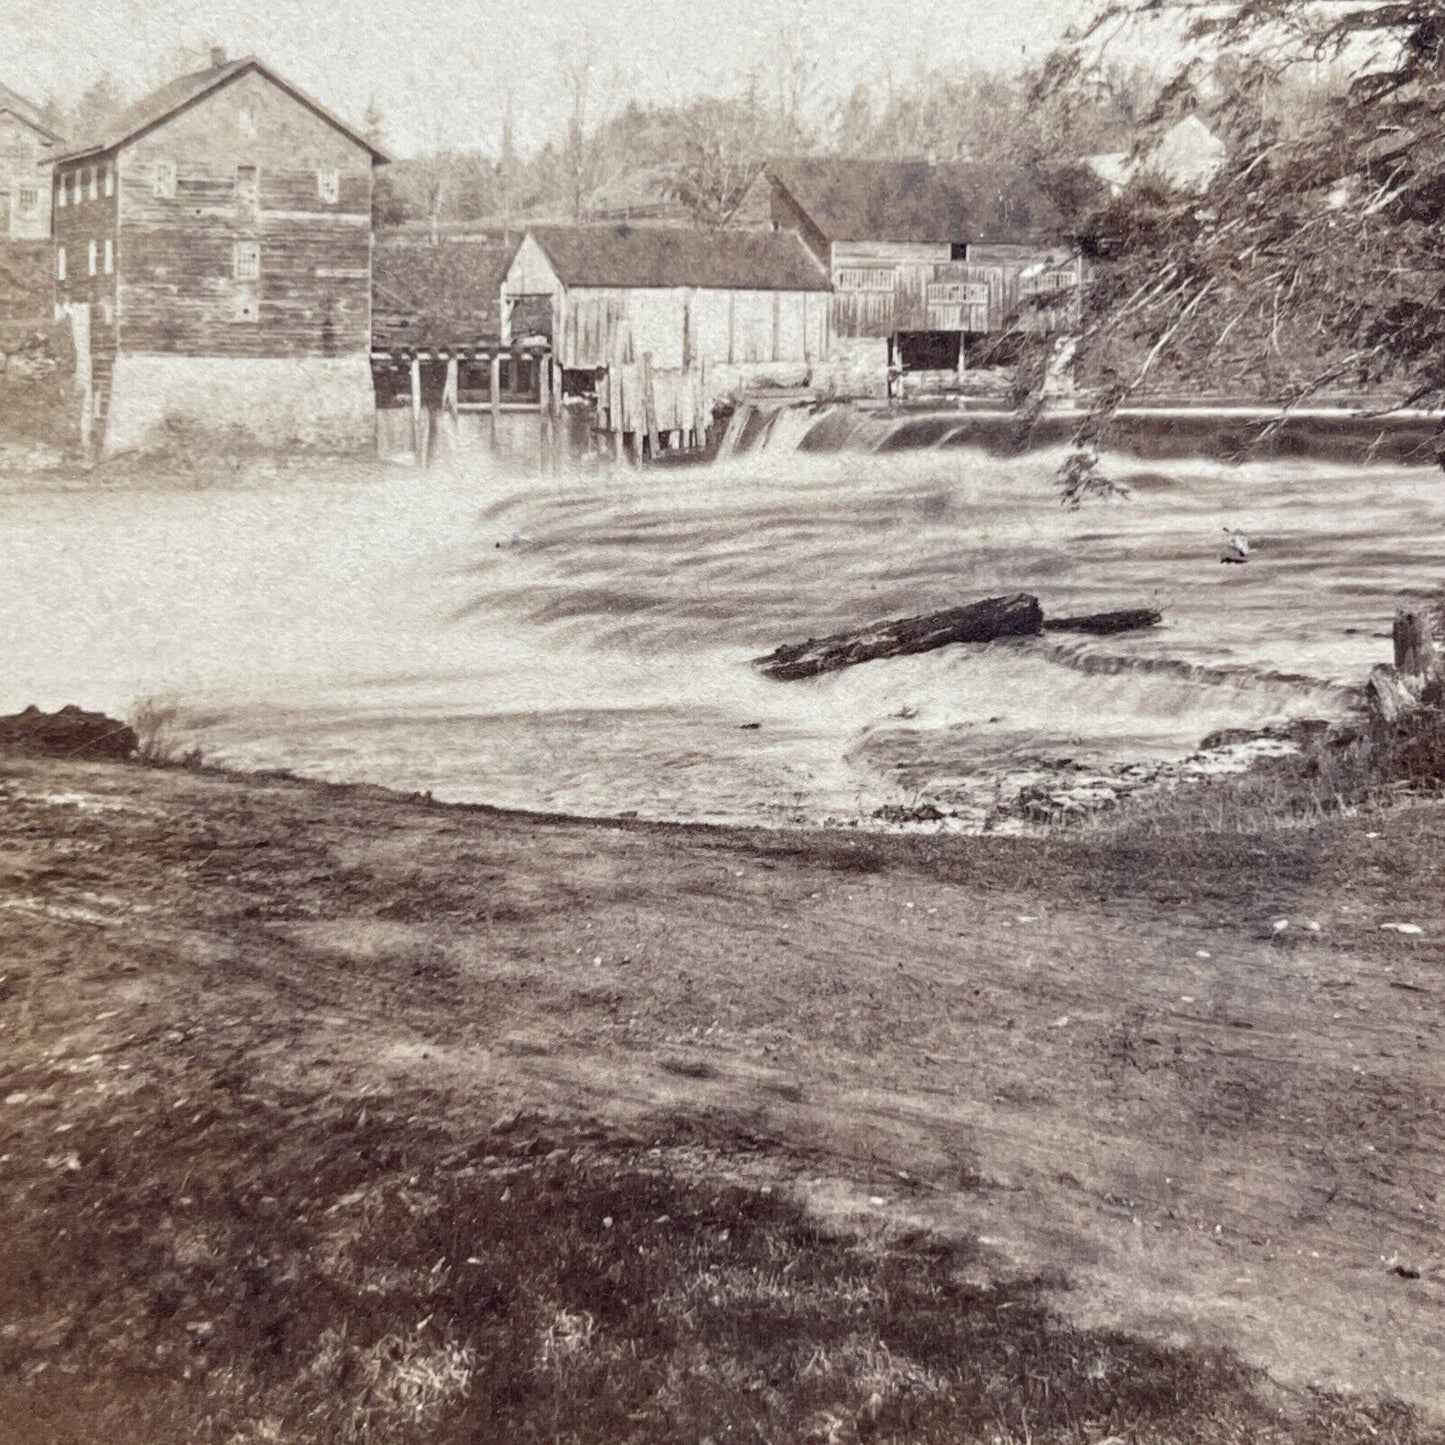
x,y
64,186
94,256
247,308
246,120
246,261
28,200
248,184
109,179
328,186
109,256
95,184
60,263
80,177
165,179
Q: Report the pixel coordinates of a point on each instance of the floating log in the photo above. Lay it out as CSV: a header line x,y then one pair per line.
x,y
1129,619
994,617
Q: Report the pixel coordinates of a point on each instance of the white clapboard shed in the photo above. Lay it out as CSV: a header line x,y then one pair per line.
x,y
666,319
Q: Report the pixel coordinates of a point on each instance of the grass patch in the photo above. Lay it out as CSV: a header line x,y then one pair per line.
x,y
227,1269
155,724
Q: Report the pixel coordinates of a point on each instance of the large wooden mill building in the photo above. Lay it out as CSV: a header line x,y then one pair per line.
x,y
213,248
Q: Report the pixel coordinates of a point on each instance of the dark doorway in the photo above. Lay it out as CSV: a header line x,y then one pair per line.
x,y
928,350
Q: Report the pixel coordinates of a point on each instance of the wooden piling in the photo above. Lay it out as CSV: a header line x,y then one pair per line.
x,y
416,442
1415,654
649,407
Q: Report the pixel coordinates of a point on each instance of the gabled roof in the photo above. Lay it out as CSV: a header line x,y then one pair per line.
x,y
865,200
26,111
664,256
185,91
447,294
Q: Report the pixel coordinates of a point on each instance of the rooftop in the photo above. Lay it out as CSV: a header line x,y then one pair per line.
x,y
185,91
886,200
439,295
25,110
642,257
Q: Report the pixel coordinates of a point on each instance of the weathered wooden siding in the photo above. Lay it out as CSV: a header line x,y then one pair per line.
x,y
82,223
179,291
681,326
879,287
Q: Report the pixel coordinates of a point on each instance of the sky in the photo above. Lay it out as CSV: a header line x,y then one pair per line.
x,y
440,70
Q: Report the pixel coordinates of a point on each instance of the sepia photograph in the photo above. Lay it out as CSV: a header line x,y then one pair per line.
x,y
722,723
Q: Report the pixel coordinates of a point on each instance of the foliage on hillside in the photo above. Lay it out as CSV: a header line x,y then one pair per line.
x,y
1313,262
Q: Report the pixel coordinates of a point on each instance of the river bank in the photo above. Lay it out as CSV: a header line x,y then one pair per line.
x,y
269,1043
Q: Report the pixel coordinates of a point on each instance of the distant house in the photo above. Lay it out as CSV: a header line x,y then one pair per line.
x,y
27,292
215,246
26,146
1185,159
648,194
921,256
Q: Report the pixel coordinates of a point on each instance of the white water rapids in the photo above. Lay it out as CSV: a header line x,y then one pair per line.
x,y
580,642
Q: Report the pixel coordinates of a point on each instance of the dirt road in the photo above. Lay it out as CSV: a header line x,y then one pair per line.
x,y
1193,1082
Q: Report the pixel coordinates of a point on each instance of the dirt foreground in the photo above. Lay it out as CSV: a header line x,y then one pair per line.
x,y
1103,1136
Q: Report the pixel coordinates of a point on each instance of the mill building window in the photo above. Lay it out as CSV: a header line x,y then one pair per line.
x,y
165,182
246,261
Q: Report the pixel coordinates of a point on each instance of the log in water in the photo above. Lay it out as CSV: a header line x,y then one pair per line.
x,y
994,617
1104,624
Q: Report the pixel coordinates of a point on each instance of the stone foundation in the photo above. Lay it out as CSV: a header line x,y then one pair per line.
x,y
309,403
857,366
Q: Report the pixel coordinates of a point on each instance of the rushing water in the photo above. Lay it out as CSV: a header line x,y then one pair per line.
x,y
580,641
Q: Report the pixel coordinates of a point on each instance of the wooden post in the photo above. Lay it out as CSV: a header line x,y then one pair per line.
x,y
544,409
1414,643
416,443
556,386
450,390
649,407
495,392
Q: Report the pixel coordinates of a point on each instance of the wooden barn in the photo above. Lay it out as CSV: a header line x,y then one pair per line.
x,y
664,320
926,261
213,249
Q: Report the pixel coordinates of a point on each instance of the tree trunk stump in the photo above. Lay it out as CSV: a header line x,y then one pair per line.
x,y
1415,654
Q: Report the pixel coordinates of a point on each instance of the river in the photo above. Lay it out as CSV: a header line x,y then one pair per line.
x,y
579,641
